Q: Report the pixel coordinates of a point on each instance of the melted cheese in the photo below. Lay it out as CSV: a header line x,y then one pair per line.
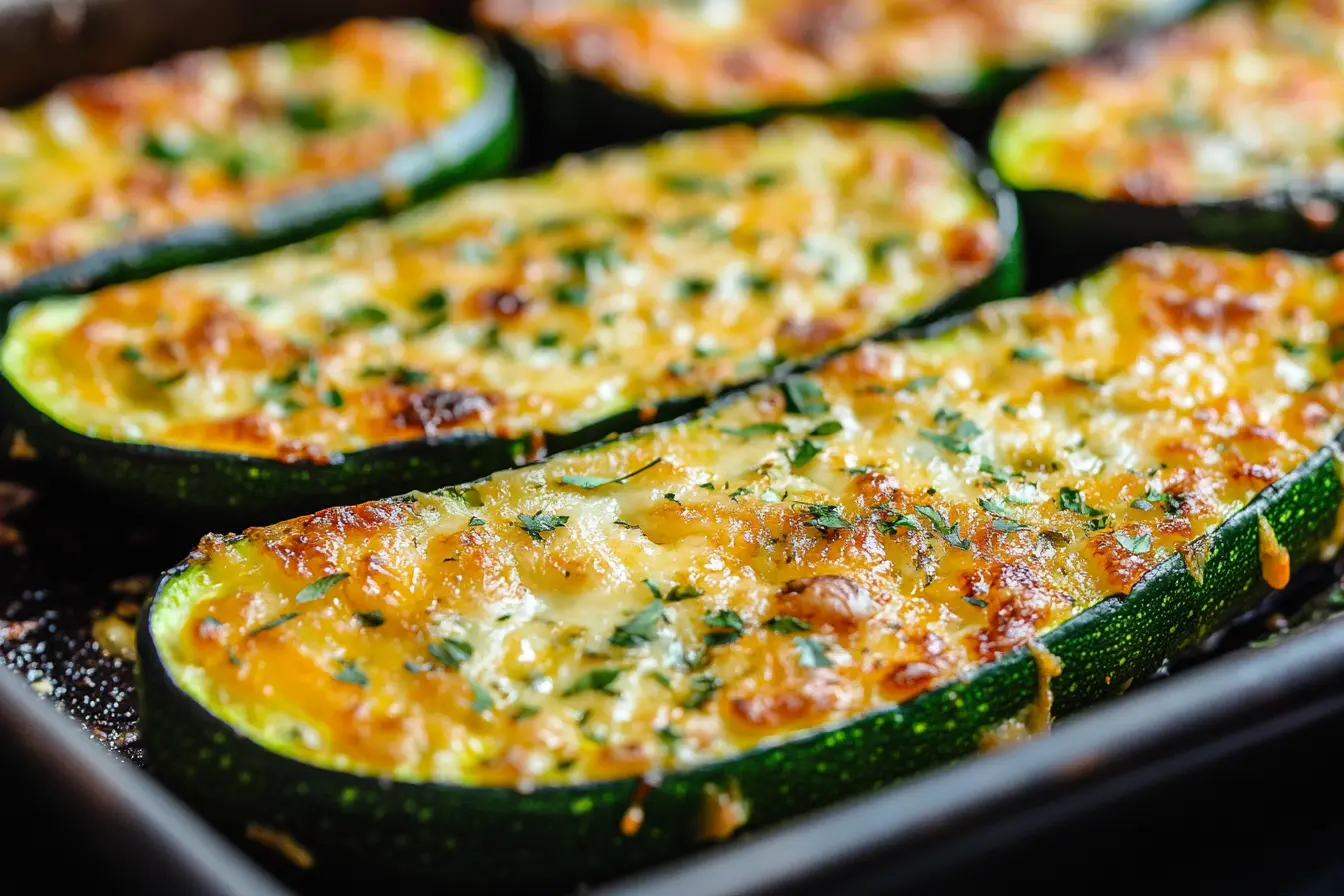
x,y
210,135
1244,101
727,55
961,496
540,304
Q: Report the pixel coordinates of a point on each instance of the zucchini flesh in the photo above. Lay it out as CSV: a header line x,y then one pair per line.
x,y
220,153
622,69
575,302
1096,474
1223,131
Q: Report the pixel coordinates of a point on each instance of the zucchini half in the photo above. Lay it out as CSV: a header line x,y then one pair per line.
x,y
509,318
1224,131
604,71
805,592
223,153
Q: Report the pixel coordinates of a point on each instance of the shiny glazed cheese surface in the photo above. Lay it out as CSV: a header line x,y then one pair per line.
x,y
209,135
1246,100
723,55
546,303
799,556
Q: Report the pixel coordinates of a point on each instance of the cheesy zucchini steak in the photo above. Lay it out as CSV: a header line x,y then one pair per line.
x,y
222,153
1224,131
604,70
509,318
810,589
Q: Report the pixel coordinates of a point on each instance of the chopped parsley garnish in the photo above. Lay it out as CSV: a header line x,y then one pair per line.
x,y
590,260
828,428
129,353
571,294
880,249
1135,544
1029,353
811,653
600,680
758,283
703,688
309,114
683,592
332,398
957,440
694,287
755,429
1072,500
728,627
434,300
164,382
451,652
919,382
787,625
474,522
267,626
976,602
161,150
899,521
641,629
802,396
480,697
319,587
990,506
536,523
548,339
409,376
951,533
1151,497
474,252
694,183
1006,525
804,452
825,516
525,711
364,316
370,618
349,673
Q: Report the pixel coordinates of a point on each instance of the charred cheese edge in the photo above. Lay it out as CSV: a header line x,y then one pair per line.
x,y
796,557
540,304
212,135
1242,102
710,56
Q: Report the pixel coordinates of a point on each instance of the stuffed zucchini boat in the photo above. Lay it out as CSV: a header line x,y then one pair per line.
x,y
508,319
599,71
1226,131
222,153
807,591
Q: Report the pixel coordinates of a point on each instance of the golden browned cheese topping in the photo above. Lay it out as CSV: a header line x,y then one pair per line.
x,y
1246,100
210,135
724,55
801,556
546,303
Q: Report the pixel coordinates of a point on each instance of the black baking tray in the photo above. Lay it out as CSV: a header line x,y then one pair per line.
x,y
1258,703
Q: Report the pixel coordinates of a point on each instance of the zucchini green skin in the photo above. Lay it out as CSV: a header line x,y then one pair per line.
x,y
568,112
225,489
558,836
1068,233
480,143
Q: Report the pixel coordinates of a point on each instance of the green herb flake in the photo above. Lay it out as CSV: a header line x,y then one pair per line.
x,y
1029,353
787,625
525,711
755,429
480,698
946,441
976,602
319,587
332,398
703,688
549,339
825,516
349,673
600,680
804,452
919,382
596,482
364,316
654,589
899,521
803,396
267,626
828,428
811,653
683,592
1071,499
1004,525
950,533
370,618
129,353
694,287
573,294
1135,544
475,522
641,629
309,114
536,523
451,652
